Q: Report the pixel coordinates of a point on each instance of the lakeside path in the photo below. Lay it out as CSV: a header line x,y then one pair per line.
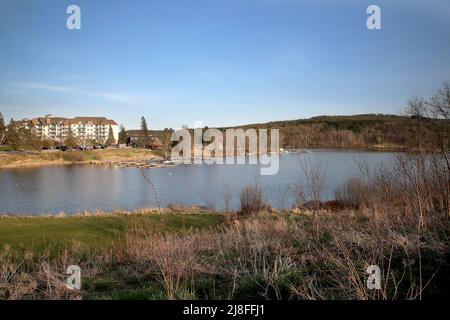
x,y
18,160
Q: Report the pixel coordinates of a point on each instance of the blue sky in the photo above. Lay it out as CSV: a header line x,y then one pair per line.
x,y
222,62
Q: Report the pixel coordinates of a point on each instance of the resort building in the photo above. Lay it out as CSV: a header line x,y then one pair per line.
x,y
82,128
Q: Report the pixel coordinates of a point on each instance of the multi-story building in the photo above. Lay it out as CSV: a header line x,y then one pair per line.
x,y
81,128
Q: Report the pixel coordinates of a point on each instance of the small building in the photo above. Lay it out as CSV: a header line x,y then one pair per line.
x,y
137,138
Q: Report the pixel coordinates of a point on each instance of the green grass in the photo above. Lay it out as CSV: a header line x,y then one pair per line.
x,y
49,236
36,234
7,148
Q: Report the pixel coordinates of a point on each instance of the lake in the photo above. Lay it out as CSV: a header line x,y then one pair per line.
x,y
76,188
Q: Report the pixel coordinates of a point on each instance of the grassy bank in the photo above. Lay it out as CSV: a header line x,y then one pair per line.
x,y
35,234
7,148
13,160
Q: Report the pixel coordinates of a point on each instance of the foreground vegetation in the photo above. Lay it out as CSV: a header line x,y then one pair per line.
x,y
262,256
13,160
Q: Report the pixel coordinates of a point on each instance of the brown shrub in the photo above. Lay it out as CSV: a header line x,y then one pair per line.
x,y
353,193
251,200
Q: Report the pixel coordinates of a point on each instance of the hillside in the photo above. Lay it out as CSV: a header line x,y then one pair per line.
x,y
356,131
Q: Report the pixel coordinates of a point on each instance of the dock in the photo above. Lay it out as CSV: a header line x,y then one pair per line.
x,y
141,164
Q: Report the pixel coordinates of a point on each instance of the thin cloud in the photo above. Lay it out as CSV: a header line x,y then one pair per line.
x,y
205,75
43,86
113,96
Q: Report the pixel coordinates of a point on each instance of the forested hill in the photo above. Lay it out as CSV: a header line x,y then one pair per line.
x,y
365,130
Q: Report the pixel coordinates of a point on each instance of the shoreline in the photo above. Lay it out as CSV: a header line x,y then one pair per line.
x,y
119,212
38,163
37,160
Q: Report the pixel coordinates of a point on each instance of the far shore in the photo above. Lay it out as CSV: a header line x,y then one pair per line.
x,y
40,159
31,160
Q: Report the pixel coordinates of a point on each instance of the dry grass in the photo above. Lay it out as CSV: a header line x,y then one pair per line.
x,y
70,157
43,277
276,257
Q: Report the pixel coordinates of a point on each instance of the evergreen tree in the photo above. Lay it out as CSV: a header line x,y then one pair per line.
x,y
122,135
12,136
144,133
144,127
111,139
2,130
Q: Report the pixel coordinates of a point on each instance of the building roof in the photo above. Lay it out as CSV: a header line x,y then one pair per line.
x,y
138,132
47,120
94,120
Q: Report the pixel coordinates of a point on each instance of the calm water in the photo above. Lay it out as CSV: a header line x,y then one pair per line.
x,y
73,189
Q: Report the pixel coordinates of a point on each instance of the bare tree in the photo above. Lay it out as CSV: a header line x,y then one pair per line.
x,y
309,190
166,140
227,196
438,109
417,107
440,102
153,189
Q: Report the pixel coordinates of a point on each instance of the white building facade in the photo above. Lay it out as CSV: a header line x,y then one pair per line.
x,y
81,128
